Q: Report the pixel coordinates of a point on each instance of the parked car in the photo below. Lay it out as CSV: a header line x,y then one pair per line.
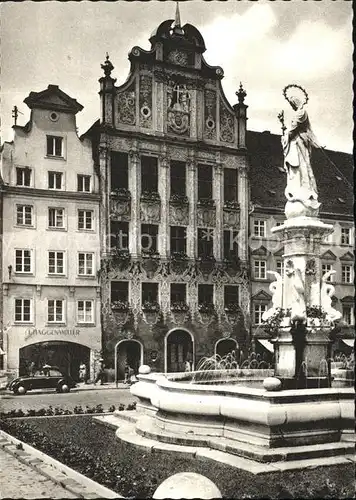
x,y
50,377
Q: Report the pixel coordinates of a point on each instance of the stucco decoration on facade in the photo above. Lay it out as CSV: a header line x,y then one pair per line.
x,y
227,123
210,114
145,100
126,105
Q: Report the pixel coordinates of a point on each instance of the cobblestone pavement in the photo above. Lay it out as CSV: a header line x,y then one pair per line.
x,y
18,480
36,400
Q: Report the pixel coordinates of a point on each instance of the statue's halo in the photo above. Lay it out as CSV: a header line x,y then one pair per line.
x,y
294,90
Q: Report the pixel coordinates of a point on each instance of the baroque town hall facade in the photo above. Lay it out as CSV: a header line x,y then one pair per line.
x,y
174,210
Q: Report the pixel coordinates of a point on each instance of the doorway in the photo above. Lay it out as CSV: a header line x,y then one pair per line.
x,y
130,352
179,350
224,347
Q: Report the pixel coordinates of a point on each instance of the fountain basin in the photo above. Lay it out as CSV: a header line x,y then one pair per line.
x,y
248,421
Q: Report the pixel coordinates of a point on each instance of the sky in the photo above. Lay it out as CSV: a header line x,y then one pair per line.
x,y
265,44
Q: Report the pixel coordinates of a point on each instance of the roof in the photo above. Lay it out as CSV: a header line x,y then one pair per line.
x,y
53,98
333,172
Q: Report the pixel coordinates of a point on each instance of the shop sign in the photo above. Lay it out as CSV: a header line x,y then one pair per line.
x,y
33,332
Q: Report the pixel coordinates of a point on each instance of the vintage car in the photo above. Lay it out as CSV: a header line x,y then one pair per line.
x,y
50,377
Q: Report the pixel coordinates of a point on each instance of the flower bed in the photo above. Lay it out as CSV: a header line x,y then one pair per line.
x,y
92,449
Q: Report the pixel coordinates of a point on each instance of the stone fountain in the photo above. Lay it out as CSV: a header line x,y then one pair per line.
x,y
295,414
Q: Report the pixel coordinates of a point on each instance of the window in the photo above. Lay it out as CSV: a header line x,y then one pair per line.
x,y
54,146
84,183
205,182
85,264
345,236
205,242
231,245
280,267
55,311
231,295
230,184
149,234
23,176
178,178
56,218
325,268
328,238
24,215
178,239
279,223
259,228
85,219
119,237
55,262
23,310
149,292
259,309
149,174
205,294
348,314
119,170
23,261
55,180
119,291
85,311
260,269
178,293
346,274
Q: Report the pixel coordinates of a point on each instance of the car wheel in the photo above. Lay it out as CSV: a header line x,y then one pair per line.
x,y
20,390
64,388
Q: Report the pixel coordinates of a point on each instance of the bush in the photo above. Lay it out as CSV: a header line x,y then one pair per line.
x,y
57,411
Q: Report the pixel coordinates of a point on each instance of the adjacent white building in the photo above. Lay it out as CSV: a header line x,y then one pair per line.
x,y
50,246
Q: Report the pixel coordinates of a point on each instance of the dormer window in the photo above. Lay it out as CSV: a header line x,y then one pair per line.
x,y
54,146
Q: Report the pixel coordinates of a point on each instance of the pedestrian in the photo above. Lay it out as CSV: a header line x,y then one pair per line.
x,y
31,368
46,370
126,371
101,374
83,373
132,376
187,365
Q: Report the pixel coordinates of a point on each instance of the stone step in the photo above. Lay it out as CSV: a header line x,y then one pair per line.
x,y
147,428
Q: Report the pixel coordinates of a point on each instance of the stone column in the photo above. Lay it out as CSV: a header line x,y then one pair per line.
x,y
302,345
164,192
135,189
243,198
218,196
104,211
192,196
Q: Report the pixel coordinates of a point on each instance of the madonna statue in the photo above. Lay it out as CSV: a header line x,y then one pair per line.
x,y
297,142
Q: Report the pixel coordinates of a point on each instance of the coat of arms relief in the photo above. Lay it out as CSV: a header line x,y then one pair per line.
x,y
178,108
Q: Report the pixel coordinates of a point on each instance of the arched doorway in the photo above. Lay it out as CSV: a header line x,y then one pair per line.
x,y
223,347
67,356
130,352
179,348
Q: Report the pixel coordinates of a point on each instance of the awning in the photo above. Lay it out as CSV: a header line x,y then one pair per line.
x,y
266,344
349,342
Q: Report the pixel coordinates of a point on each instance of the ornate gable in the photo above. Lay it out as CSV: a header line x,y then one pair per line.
x,y
172,90
53,98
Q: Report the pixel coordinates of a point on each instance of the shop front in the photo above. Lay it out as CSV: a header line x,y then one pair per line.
x,y
65,348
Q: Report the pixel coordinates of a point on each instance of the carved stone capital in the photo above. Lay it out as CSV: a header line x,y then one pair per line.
x,y
164,161
192,165
134,155
218,168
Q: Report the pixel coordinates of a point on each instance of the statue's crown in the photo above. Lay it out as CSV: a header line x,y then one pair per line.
x,y
296,91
